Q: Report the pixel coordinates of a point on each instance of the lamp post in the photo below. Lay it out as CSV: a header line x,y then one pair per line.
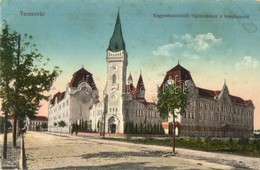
x,y
104,115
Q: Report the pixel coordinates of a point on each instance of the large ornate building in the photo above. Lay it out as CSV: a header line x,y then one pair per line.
x,y
212,112
209,113
123,102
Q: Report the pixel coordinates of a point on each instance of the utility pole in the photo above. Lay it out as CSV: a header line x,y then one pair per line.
x,y
17,91
104,116
173,134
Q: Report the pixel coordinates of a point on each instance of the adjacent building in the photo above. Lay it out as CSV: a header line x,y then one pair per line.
x,y
37,123
214,113
74,103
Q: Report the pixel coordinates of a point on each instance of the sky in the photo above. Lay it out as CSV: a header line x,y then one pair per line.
x,y
215,41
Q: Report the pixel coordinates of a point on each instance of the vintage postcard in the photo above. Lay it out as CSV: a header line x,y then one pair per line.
x,y
120,65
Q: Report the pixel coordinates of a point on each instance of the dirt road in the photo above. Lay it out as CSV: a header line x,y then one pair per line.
x,y
55,151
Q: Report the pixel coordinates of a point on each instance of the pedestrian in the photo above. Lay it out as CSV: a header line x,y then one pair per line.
x,y
72,130
76,130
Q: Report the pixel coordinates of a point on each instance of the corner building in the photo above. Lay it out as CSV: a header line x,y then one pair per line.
x,y
212,113
74,103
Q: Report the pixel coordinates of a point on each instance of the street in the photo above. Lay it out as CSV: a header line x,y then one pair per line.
x,y
62,151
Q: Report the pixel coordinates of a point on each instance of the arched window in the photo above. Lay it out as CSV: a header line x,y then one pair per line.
x,y
114,79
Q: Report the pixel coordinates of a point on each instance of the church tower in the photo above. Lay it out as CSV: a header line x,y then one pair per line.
x,y
116,58
140,89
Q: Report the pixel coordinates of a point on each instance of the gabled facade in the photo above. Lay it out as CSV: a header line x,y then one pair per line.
x,y
214,113
74,103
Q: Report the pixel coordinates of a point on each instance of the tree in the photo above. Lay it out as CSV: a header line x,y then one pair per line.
x,y
62,123
28,77
6,77
172,99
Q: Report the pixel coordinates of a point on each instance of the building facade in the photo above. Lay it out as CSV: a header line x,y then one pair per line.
x,y
37,123
74,103
214,113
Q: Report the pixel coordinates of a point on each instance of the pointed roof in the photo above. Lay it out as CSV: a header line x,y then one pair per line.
x,y
116,42
225,85
178,73
130,77
82,75
140,84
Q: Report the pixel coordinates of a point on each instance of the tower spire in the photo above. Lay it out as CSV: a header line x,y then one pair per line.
x,y
116,42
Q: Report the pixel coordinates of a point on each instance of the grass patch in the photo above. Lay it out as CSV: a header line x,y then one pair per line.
x,y
241,146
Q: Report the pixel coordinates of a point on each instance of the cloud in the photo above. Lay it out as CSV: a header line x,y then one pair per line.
x,y
195,44
166,50
205,41
247,62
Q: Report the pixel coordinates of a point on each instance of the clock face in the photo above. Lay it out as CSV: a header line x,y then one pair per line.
x,y
114,67
84,87
85,92
113,97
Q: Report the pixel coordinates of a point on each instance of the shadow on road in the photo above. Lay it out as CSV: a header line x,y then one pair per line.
x,y
140,165
123,154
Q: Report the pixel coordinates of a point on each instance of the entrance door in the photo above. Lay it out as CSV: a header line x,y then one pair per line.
x,y
113,128
112,125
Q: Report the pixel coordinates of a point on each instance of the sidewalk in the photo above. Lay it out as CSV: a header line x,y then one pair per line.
x,y
13,154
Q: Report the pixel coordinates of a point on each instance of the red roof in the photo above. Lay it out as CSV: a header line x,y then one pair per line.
x,y
178,74
82,75
60,96
215,93
208,93
41,118
239,100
